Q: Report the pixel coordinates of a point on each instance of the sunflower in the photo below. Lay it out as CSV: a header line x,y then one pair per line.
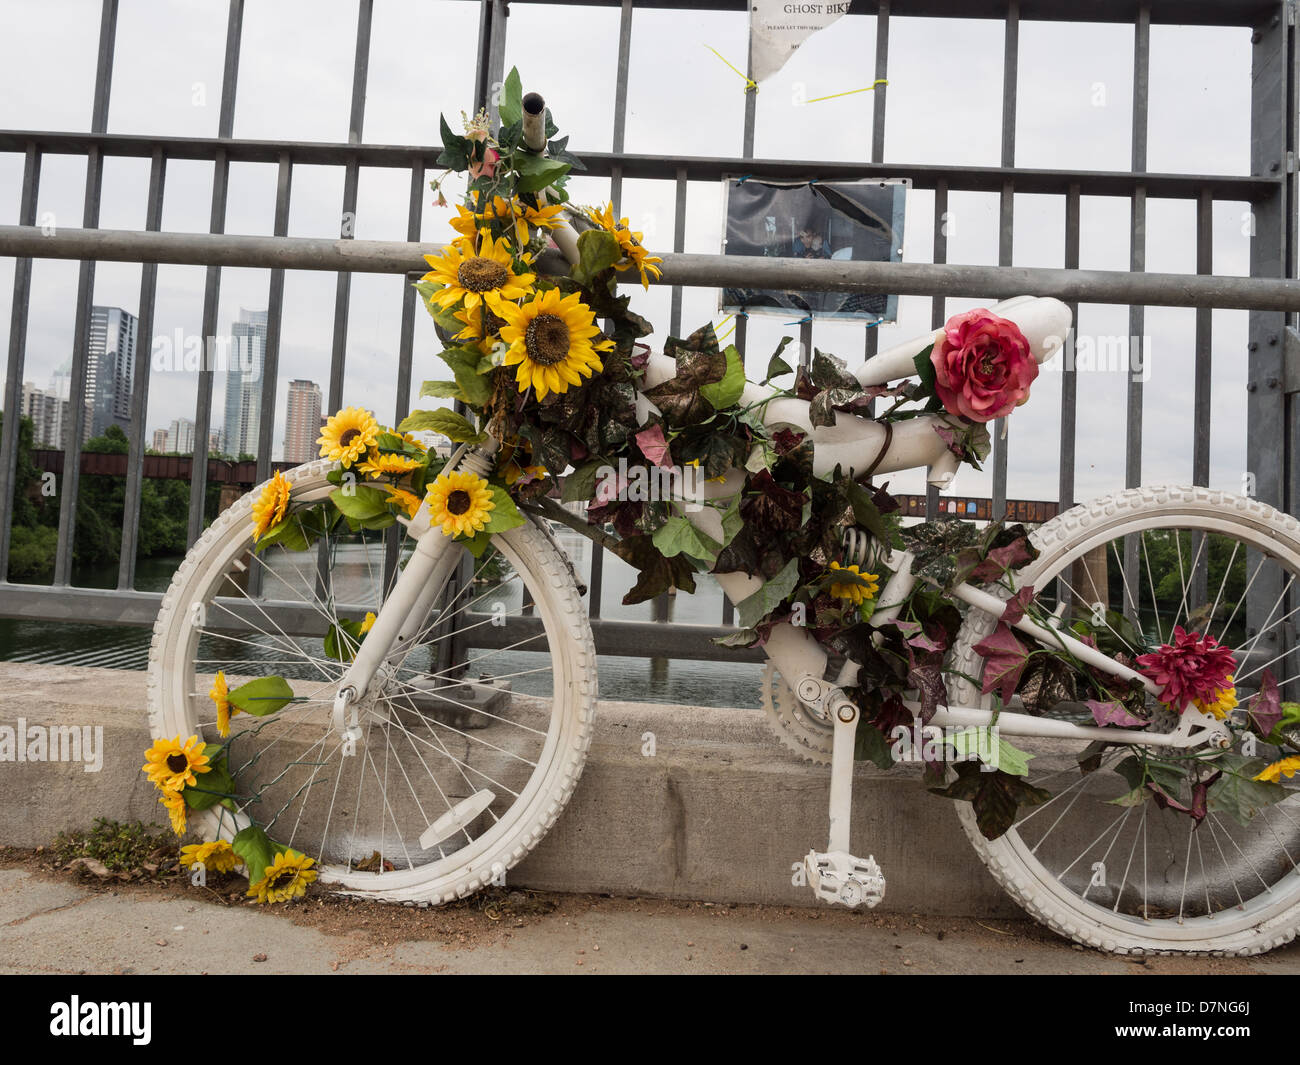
x,y
460,503
380,465
1223,703
856,593
550,339
480,325
217,856
368,622
537,217
476,277
270,507
1286,767
466,223
404,499
348,435
172,765
176,812
285,878
225,709
629,241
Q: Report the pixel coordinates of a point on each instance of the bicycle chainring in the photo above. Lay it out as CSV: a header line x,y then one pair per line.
x,y
799,728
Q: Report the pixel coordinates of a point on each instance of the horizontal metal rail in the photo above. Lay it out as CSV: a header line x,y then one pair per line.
x,y
707,271
1238,187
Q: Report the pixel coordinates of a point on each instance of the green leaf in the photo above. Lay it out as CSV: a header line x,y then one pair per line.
x,y
263,696
750,611
677,536
343,640
505,515
442,390
288,534
727,391
448,422
211,787
777,366
732,522
511,108
598,250
360,502
739,638
925,369
866,513
872,745
1239,796
255,848
536,172
455,148
470,368
580,485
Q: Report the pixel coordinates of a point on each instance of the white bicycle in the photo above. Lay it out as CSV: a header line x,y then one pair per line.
x,y
430,762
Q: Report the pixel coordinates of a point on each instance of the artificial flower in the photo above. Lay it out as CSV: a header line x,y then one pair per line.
x,y
285,878
551,341
1223,703
220,695
1193,668
216,857
175,806
270,507
853,592
171,765
348,435
408,501
381,465
629,241
368,622
460,502
475,277
1287,767
983,366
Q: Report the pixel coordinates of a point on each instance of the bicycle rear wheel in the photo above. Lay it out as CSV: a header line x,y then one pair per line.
x,y
1133,879
472,739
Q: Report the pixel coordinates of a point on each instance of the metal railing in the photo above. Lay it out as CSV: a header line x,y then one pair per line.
x,y
1273,374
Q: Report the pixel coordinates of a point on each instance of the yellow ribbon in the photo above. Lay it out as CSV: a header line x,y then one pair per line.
x,y
750,84
835,95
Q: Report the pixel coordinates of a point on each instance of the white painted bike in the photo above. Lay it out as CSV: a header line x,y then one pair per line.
x,y
437,758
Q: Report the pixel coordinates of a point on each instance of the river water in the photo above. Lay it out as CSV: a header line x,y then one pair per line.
x,y
678,681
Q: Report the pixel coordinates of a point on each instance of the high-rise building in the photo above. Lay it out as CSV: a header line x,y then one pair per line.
x,y
301,421
110,368
160,440
51,417
214,440
180,437
247,357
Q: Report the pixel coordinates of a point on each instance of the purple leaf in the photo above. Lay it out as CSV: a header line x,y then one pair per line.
x,y
1266,708
1164,800
653,446
1004,661
1112,713
1199,794
1017,605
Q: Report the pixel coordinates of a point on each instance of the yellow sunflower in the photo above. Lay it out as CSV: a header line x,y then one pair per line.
x,y
404,499
285,878
1225,701
481,325
380,465
466,223
220,694
551,341
270,507
460,502
348,435
856,593
216,857
629,241
475,277
537,217
1285,768
368,622
176,812
172,765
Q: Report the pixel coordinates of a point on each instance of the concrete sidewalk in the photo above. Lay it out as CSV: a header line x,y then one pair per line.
x,y
54,924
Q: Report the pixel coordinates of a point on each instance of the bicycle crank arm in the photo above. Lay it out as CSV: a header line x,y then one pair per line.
x,y
836,876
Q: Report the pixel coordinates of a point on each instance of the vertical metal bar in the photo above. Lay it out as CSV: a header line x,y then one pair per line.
x,y
1137,263
878,97
679,245
68,491
805,341
490,71
938,313
405,347
1006,214
212,283
751,103
17,356
620,104
1069,378
140,385
1204,319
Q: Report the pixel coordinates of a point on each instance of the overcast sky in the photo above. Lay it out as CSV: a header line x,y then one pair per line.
x,y
944,106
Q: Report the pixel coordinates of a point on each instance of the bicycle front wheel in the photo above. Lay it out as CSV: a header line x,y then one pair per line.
x,y
471,738
1142,878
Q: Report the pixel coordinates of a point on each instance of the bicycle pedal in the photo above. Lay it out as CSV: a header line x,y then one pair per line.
x,y
838,877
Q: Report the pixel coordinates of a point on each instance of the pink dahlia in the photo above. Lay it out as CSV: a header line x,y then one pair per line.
x,y
1193,668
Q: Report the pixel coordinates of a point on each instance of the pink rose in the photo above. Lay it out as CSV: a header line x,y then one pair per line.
x,y
983,366
487,164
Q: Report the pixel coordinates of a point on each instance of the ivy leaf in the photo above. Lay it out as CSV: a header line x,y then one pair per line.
x,y
1265,711
870,744
580,485
679,397
995,797
828,371
752,610
210,787
925,371
1004,661
598,250
1238,795
536,172
777,366
469,366
1113,713
361,502
288,534
511,107
263,696
654,446
657,573
441,390
252,845
455,149
677,536
727,392
448,422
866,513
1017,604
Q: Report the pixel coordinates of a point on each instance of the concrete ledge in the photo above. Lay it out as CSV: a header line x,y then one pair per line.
x,y
719,813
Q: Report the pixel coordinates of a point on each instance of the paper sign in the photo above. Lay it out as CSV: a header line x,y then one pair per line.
x,y
778,27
